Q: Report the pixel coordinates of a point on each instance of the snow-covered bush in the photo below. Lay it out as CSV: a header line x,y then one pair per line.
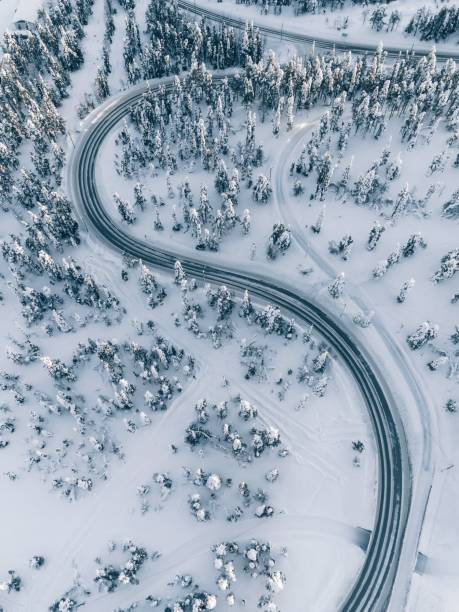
x,y
110,577
279,241
449,266
336,288
424,333
13,583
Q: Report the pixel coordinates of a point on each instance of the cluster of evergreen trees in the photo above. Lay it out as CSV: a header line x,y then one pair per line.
x,y
109,577
158,369
173,126
305,6
380,19
34,69
372,107
409,84
170,128
175,41
430,25
31,259
255,558
35,76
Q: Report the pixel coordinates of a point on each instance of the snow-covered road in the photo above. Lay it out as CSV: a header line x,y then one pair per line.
x,y
375,581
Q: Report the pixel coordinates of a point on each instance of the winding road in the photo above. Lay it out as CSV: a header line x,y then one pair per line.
x,y
373,586
309,40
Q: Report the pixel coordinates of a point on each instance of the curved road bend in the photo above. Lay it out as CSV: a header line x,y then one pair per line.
x,y
373,586
321,44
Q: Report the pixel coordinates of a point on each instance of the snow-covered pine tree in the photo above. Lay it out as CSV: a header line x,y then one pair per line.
x,y
375,235
406,287
424,333
336,288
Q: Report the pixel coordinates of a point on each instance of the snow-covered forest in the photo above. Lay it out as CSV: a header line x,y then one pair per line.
x,y
218,247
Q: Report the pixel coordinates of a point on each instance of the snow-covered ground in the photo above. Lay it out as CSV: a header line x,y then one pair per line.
x,y
332,496
12,10
333,502
433,590
350,24
323,504
425,302
7,10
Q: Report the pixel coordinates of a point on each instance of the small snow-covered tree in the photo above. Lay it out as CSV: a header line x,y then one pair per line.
x,y
343,247
406,287
140,200
58,370
125,209
150,286
413,242
320,362
317,226
221,177
279,240
324,174
224,302
336,288
262,189
425,332
204,208
245,221
246,310
451,207
101,85
449,266
375,235
363,320
179,273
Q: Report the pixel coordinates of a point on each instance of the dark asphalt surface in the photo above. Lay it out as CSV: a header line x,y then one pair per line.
x,y
373,585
